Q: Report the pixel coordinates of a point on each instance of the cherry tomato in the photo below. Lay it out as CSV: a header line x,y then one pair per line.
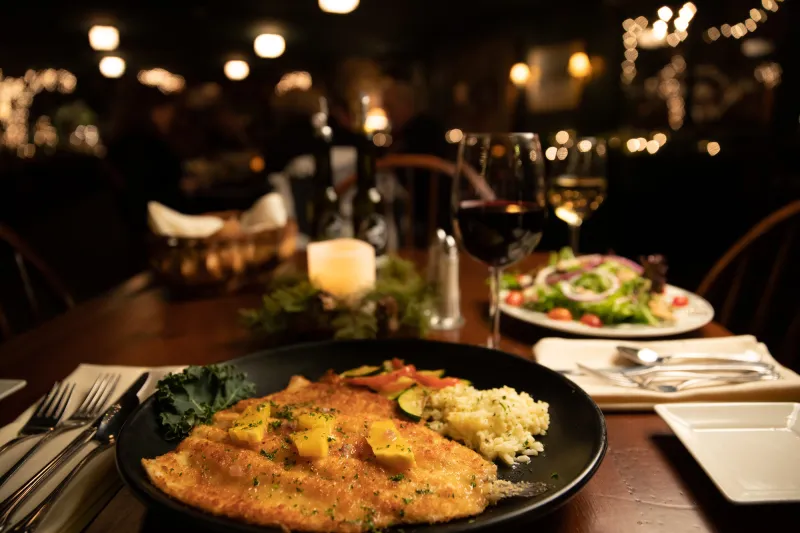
x,y
680,301
591,320
560,313
514,298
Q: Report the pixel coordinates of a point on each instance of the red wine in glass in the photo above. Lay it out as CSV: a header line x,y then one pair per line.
x,y
500,232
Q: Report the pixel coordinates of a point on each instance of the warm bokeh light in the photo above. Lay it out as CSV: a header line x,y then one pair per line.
x,y
562,153
652,147
725,29
294,81
269,45
454,136
633,145
713,34
627,24
750,24
755,14
585,145
236,69
562,137
112,67
382,140
340,7
550,153
579,65
642,143
713,148
642,22
664,13
681,24
103,38
520,73
257,164
376,120
660,138
660,29
165,81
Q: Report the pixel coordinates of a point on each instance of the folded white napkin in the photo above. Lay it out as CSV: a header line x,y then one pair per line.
x,y
92,489
269,212
166,221
563,354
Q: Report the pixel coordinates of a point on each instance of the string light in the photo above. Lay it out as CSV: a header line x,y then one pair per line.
x,y
165,81
236,69
293,81
664,14
339,7
103,38
519,74
750,24
269,45
579,65
454,136
112,67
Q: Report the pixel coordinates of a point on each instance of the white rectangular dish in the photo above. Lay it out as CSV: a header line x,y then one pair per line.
x,y
750,450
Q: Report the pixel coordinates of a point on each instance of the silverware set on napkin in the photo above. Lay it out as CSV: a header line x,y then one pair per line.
x,y
681,371
101,428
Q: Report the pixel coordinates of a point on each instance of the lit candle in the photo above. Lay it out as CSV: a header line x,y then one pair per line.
x,y
343,267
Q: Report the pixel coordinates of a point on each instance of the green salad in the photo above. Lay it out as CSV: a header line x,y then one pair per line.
x,y
596,289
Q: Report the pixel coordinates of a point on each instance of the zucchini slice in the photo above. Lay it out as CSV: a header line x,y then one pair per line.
x,y
393,390
361,371
412,402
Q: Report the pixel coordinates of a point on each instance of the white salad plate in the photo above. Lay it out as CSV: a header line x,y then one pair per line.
x,y
696,314
751,451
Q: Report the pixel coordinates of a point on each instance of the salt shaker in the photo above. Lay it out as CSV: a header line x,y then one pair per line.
x,y
448,307
435,257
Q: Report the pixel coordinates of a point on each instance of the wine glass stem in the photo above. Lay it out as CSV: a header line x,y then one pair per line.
x,y
494,307
574,237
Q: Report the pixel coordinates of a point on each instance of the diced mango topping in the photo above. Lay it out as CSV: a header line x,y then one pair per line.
x,y
249,427
315,420
389,446
312,443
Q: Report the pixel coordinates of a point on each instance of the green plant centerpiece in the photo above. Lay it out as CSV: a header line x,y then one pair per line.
x,y
294,308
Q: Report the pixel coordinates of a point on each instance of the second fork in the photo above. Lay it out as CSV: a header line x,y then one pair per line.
x,y
89,409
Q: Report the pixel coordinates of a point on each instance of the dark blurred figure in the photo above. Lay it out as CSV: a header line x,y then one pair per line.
x,y
342,122
415,132
144,164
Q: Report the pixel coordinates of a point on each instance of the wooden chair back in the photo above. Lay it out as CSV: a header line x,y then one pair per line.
x,y
24,256
404,165
759,274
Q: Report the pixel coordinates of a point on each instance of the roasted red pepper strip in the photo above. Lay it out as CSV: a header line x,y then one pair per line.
x,y
380,381
434,382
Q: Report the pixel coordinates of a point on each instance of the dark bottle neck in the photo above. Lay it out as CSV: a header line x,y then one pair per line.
x,y
366,164
323,174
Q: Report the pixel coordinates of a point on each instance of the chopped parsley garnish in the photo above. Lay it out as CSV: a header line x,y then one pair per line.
x,y
397,477
255,482
407,500
269,455
331,438
426,490
288,463
554,475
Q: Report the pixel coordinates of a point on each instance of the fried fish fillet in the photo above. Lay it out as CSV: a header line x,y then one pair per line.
x,y
267,483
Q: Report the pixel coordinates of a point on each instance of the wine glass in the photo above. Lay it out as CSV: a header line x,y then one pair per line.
x,y
499,204
577,182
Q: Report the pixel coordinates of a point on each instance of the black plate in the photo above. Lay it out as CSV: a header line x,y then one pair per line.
x,y
574,446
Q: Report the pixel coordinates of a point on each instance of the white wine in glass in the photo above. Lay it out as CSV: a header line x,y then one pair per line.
x,y
578,184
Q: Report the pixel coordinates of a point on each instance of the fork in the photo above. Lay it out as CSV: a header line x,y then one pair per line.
x,y
88,410
45,417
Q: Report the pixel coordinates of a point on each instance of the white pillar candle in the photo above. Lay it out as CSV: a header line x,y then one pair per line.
x,y
343,267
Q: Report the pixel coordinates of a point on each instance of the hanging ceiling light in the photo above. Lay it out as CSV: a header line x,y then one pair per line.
x,y
579,65
339,7
105,38
236,69
269,45
112,67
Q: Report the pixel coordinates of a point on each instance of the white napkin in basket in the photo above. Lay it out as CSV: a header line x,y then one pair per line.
x,y
168,222
269,212
92,489
563,354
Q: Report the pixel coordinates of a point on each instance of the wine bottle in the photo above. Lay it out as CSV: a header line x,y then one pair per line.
x,y
324,215
369,218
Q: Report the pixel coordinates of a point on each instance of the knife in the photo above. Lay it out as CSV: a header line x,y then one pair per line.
x,y
643,370
113,417
646,356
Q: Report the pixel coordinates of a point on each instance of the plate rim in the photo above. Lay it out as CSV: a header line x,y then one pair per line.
x,y
635,331
152,497
676,424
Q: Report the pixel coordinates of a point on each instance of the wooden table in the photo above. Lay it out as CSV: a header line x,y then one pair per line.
x,y
647,482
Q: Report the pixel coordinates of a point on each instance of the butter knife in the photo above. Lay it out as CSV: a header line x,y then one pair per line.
x,y
646,356
113,417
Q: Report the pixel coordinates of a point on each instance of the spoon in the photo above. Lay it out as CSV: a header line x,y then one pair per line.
x,y
648,357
